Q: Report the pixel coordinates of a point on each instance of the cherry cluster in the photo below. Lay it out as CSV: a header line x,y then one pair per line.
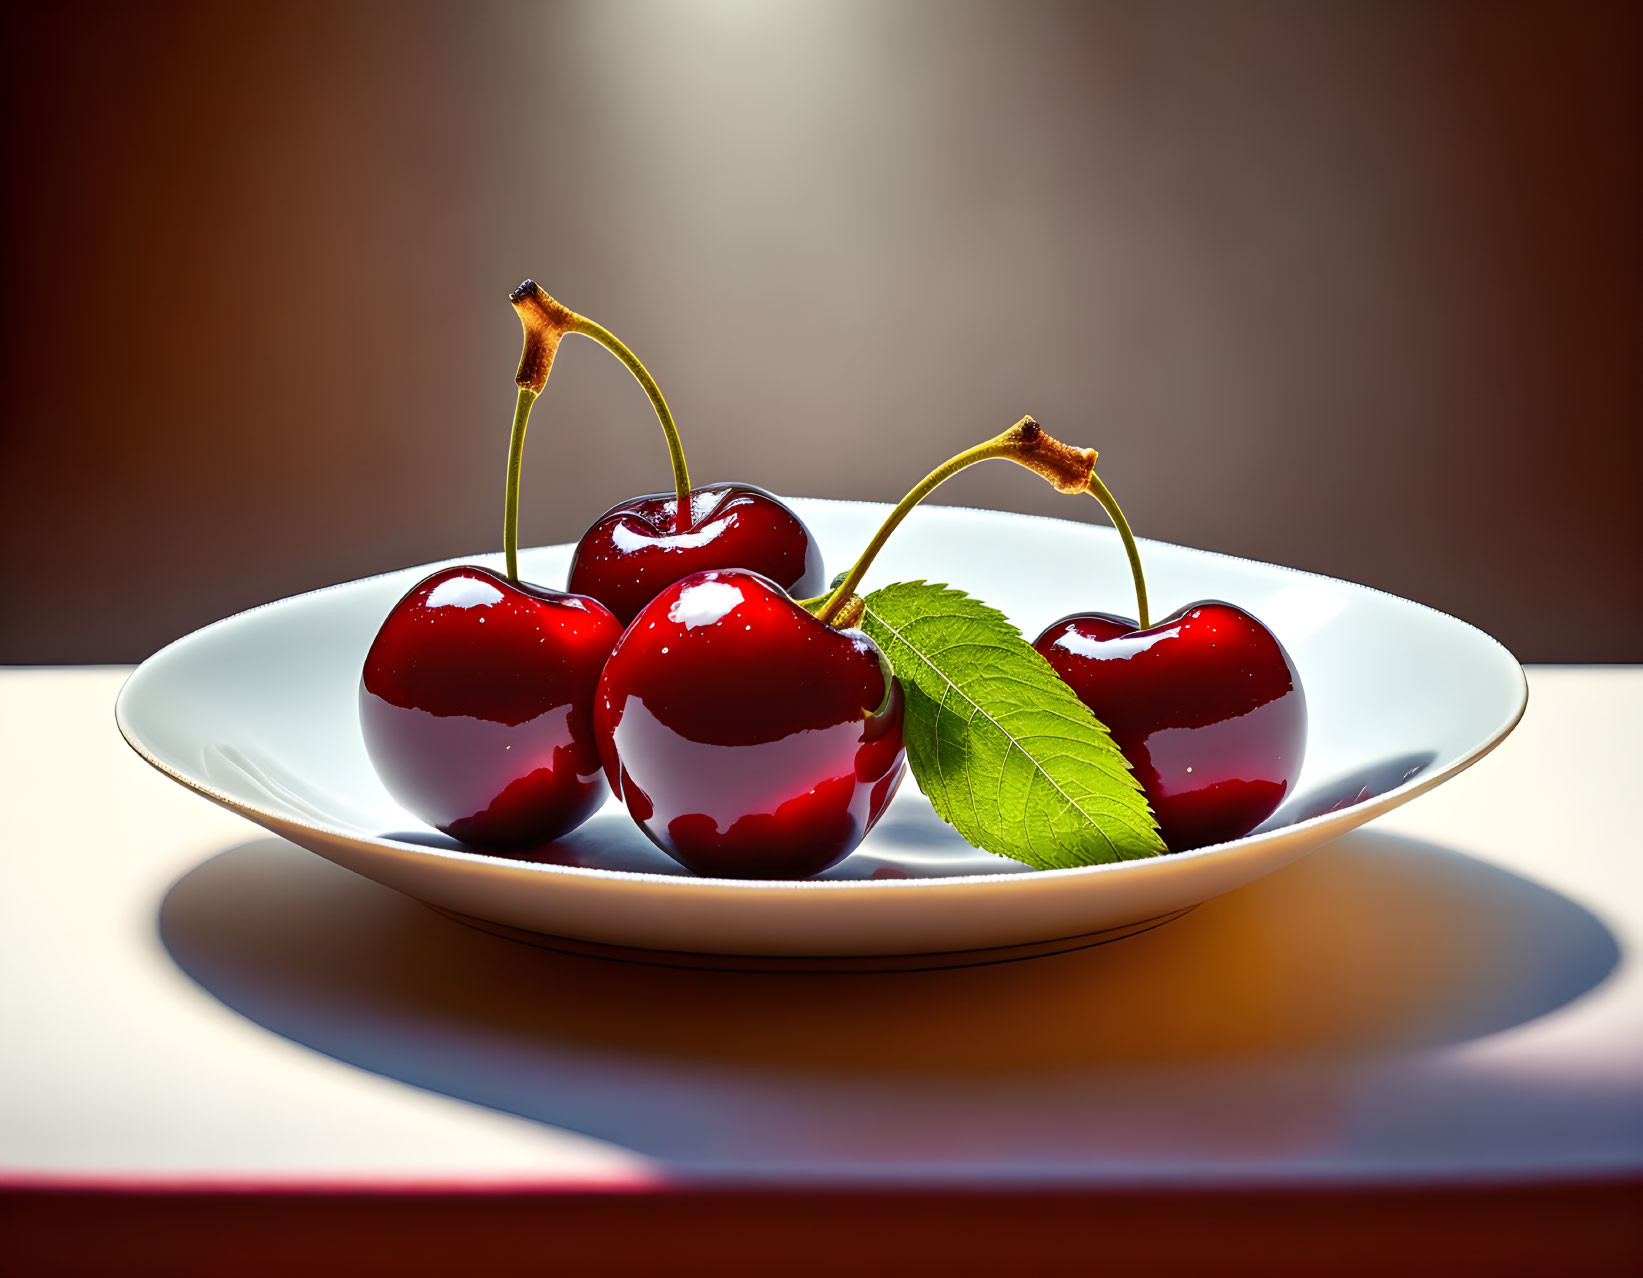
x,y
698,667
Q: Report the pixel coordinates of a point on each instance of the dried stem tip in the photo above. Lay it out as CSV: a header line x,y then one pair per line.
x,y
1066,467
848,613
545,322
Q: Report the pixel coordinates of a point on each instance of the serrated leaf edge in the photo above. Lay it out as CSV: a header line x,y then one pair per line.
x,y
1114,765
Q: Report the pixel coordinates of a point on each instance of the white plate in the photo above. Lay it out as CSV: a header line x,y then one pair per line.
x,y
258,712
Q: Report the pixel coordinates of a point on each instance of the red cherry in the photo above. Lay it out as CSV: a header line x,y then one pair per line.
x,y
477,706
747,738
636,549
1206,706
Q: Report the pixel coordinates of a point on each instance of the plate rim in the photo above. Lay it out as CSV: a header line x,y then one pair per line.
x,y
1329,824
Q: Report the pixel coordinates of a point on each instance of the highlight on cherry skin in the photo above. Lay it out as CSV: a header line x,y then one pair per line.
x,y
476,703
748,738
1206,705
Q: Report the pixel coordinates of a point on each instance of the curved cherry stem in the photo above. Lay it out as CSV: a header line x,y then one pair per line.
x,y
833,603
545,322
1069,469
1109,503
641,374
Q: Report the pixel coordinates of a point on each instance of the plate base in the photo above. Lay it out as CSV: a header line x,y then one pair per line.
x,y
817,962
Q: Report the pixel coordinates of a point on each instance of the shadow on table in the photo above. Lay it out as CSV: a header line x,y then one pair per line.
x,y
1372,947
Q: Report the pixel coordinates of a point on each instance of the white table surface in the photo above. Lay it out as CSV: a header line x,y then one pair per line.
x,y
1451,993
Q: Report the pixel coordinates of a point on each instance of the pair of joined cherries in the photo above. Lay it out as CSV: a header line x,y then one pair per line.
x,y
696,667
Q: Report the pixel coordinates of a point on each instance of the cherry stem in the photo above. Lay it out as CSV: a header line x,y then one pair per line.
x,y
1069,469
545,322
832,604
1103,494
516,461
641,374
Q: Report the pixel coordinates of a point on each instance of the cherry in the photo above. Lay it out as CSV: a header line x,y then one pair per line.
x,y
1206,706
752,735
641,546
748,738
476,703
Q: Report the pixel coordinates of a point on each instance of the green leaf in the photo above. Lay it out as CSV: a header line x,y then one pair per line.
x,y
1006,752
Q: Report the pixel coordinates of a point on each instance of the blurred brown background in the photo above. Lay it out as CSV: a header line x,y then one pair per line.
x,y
1352,286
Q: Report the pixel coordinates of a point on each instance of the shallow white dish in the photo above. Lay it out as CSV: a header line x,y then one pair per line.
x,y
258,713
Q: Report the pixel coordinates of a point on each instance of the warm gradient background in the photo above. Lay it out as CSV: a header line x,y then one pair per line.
x,y
1352,286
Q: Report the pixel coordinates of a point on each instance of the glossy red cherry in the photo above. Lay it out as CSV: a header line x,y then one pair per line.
x,y
637,548
477,706
1206,706
747,738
